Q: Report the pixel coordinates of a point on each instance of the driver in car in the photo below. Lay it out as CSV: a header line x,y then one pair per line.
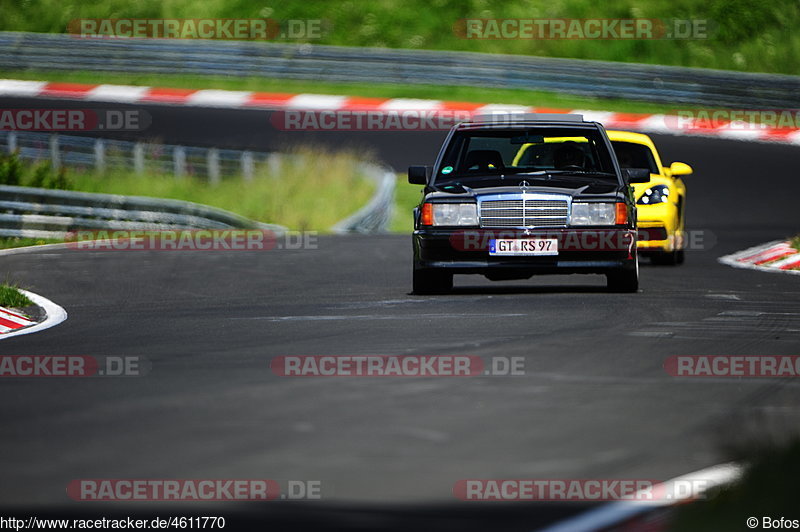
x,y
568,155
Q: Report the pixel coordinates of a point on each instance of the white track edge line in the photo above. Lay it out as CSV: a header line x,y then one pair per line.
x,y
620,511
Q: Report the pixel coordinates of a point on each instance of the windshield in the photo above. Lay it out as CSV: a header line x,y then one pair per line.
x,y
483,157
632,155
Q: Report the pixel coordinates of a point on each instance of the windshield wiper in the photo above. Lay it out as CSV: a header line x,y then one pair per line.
x,y
536,172
452,185
568,174
545,175
477,176
555,172
457,182
581,173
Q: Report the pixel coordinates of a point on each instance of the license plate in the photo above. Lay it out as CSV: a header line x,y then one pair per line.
x,y
523,247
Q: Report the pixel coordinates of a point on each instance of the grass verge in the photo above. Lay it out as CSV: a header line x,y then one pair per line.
x,y
795,242
11,297
406,197
15,242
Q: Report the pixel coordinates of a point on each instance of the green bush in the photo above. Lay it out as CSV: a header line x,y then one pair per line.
x,y
13,171
10,170
39,175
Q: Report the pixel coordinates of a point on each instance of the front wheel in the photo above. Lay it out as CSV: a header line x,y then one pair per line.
x,y
668,258
624,281
432,282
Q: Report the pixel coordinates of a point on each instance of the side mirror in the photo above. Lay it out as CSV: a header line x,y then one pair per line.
x,y
680,169
636,175
419,175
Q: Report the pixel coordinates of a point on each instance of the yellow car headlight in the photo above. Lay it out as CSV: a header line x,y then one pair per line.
x,y
655,195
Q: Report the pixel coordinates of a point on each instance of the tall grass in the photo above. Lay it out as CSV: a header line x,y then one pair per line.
x,y
407,196
11,297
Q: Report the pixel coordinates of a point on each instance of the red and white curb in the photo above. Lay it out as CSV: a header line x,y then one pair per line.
x,y
54,314
614,514
130,94
776,256
11,321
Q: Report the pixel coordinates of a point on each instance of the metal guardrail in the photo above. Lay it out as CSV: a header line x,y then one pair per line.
x,y
672,85
100,154
42,213
376,215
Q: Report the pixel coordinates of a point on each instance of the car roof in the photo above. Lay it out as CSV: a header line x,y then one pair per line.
x,y
635,138
470,126
527,117
519,120
629,136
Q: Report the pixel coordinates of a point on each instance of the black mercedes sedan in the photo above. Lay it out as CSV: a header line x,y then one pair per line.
x,y
510,197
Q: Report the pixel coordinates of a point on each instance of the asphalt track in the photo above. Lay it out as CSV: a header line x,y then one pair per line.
x,y
595,401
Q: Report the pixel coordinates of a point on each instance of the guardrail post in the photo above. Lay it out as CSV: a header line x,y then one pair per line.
x,y
55,156
248,165
212,161
274,164
179,159
99,156
12,142
138,158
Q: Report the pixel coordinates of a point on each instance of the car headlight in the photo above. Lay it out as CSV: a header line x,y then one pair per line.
x,y
656,194
594,213
449,214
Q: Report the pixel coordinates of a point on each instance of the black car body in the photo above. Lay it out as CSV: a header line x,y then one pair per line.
x,y
513,197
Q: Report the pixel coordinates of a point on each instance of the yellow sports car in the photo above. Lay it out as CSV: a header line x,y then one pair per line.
x,y
660,203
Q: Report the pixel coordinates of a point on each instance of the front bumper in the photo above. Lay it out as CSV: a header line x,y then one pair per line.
x,y
658,228
653,236
579,251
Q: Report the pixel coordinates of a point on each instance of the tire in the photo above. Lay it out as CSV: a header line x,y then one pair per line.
x,y
432,282
624,281
680,257
667,258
